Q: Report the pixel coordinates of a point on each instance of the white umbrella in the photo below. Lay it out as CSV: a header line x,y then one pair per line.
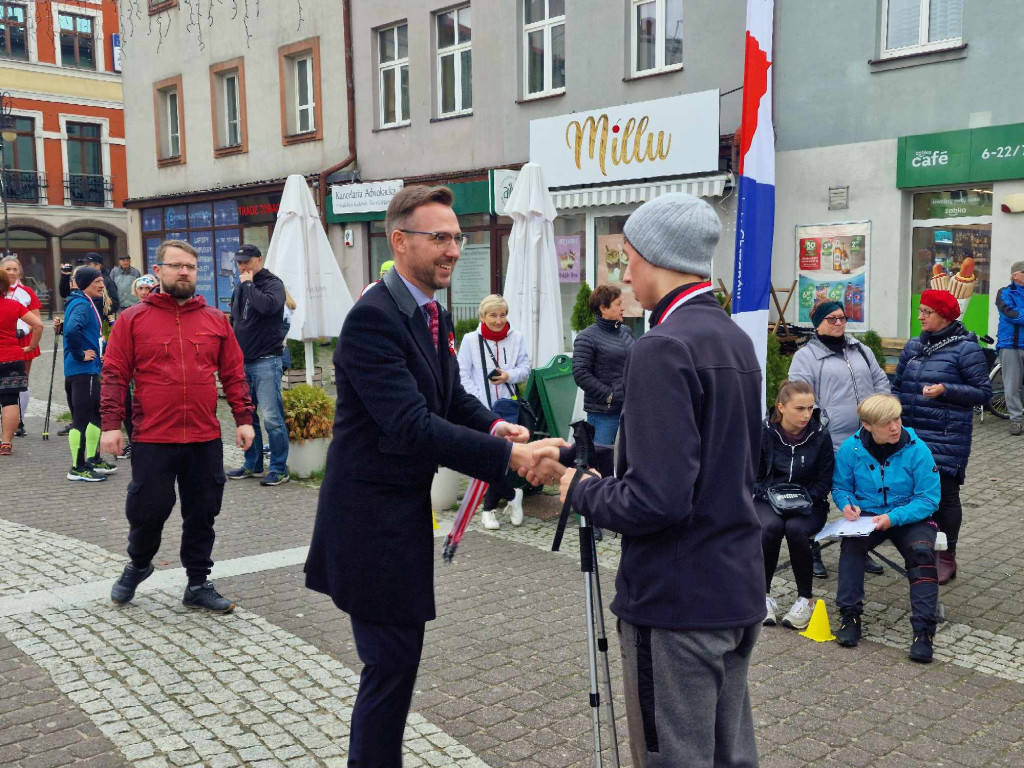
x,y
300,254
531,286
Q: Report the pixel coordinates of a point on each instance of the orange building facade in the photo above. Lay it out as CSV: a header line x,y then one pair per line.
x,y
64,173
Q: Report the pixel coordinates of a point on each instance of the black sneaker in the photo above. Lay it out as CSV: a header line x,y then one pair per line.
x,y
64,432
275,478
85,475
921,648
870,566
126,452
242,473
124,588
20,431
101,467
848,634
207,598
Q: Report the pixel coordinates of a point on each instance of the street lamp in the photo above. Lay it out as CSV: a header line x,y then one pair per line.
x,y
7,134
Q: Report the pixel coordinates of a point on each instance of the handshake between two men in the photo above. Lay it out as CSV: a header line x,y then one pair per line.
x,y
538,461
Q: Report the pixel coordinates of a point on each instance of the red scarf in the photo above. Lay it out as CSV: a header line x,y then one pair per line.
x,y
490,335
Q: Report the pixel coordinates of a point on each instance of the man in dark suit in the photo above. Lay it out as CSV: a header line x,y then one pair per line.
x,y
401,412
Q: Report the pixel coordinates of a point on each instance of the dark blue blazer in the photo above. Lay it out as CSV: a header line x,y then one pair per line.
x,y
401,412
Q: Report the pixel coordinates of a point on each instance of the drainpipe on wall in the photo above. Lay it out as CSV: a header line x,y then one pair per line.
x,y
346,12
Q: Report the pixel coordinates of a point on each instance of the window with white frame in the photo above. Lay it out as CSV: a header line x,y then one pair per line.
x,y
305,117
454,62
919,26
173,126
656,28
232,111
169,138
544,46
393,62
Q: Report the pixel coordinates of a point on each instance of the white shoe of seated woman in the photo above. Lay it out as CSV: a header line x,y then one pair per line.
x,y
490,520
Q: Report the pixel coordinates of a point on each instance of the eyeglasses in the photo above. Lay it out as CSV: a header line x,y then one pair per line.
x,y
835,320
441,239
922,312
178,267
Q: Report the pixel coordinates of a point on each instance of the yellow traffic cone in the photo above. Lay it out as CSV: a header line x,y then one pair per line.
x,y
433,516
819,630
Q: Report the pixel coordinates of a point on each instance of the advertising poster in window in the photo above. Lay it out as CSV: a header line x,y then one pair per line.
x,y
202,241
175,217
611,265
200,216
833,264
471,280
152,219
152,243
225,245
225,213
568,250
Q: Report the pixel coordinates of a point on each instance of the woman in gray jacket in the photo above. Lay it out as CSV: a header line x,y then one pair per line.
x,y
844,373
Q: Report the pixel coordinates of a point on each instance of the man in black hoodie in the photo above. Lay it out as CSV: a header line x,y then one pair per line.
x,y
257,308
94,260
691,576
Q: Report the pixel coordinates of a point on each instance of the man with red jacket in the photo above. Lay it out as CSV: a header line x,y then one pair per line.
x,y
172,345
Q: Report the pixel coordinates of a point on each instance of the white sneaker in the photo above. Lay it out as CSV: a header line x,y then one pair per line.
x,y
770,608
515,508
490,520
799,615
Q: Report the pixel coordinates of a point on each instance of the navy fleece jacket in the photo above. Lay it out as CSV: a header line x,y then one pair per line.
x,y
683,495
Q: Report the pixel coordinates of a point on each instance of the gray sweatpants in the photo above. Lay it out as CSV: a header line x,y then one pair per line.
x,y
687,702
1012,361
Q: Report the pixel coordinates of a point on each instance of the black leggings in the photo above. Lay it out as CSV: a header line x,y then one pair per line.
x,y
8,399
83,393
950,514
496,492
798,531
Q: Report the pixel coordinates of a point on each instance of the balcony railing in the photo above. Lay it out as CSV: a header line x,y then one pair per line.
x,y
88,189
24,186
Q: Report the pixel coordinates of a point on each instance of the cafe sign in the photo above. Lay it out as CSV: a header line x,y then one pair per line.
x,y
961,157
666,137
363,198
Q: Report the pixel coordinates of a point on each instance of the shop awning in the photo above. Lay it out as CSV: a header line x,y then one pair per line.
x,y
701,186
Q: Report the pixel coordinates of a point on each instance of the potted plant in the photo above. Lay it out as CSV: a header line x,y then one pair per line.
x,y
309,417
581,314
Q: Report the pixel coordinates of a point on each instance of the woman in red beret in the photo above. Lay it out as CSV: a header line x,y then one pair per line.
x,y
942,375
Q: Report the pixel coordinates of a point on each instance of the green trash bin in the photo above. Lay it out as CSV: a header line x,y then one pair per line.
x,y
552,389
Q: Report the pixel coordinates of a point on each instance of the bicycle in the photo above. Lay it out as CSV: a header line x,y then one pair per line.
x,y
997,405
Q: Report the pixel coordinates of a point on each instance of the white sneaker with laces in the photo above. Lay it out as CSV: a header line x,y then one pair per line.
x,y
770,608
490,520
515,508
799,615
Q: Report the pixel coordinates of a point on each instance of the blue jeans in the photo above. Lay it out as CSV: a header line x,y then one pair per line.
x,y
606,425
264,379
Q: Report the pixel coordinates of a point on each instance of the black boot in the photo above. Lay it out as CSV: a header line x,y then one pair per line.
x,y
20,431
818,569
848,634
870,566
921,648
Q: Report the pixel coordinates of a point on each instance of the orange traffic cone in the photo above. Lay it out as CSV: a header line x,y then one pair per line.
x,y
819,629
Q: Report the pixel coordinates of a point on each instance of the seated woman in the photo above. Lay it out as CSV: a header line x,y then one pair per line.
x,y
795,448
885,471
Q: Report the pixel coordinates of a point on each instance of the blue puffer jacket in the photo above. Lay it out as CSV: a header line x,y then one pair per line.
x,y
907,488
82,331
953,358
1010,303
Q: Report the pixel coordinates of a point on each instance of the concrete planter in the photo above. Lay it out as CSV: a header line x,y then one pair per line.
x,y
445,489
308,457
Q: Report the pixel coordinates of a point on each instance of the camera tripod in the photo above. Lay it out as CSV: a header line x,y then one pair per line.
x,y
597,640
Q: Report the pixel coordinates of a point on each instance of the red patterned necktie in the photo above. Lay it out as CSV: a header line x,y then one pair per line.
x,y
431,307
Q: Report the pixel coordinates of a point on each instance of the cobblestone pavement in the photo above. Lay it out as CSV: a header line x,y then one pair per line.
x,y
503,680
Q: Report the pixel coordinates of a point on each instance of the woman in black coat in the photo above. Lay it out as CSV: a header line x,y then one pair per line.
x,y
795,448
942,375
598,357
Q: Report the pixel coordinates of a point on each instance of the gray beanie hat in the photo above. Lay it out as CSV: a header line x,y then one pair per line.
x,y
1018,266
675,231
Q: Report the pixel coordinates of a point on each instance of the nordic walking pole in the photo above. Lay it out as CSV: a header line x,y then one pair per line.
x,y
596,640
49,398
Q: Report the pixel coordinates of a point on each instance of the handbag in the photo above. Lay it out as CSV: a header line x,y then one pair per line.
x,y
511,409
789,499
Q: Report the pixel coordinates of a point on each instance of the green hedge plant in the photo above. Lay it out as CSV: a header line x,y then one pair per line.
x,y
308,413
582,317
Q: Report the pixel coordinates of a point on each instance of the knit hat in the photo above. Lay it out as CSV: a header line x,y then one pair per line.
x,y
1018,266
675,231
943,303
822,310
85,276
